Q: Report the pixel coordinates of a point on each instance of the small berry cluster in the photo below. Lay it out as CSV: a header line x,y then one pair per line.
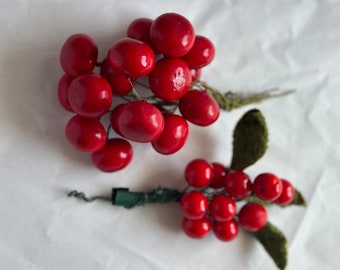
x,y
167,54
213,202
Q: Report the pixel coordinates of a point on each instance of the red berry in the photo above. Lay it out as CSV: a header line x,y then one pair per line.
x,y
287,194
114,156
226,230
253,217
78,55
219,174
140,121
85,134
140,29
194,205
199,173
267,187
121,84
63,87
196,228
201,54
237,184
173,136
222,208
199,108
135,58
90,95
170,80
115,115
195,74
172,34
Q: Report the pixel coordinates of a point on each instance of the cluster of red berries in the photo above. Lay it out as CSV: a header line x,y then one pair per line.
x,y
170,56
213,204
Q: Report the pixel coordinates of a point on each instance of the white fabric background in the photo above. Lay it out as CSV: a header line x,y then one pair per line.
x,y
259,45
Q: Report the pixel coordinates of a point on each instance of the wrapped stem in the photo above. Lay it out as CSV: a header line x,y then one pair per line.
x,y
232,100
124,197
128,199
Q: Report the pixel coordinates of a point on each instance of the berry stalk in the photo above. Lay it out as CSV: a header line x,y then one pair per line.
x,y
226,101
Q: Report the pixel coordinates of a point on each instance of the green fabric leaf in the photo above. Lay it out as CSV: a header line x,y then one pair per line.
x,y
250,140
275,243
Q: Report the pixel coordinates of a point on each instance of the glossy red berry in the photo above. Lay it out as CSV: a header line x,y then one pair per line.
x,y
78,55
172,34
201,54
173,136
222,208
194,205
237,184
114,156
140,29
63,87
170,80
253,217
267,187
140,121
85,134
90,95
121,84
197,228
115,115
195,74
133,57
225,230
219,174
199,108
199,173
287,194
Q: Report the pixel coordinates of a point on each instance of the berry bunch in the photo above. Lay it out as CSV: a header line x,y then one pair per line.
x,y
212,204
165,56
223,199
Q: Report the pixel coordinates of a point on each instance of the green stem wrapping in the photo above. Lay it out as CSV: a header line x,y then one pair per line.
x,y
124,197
232,100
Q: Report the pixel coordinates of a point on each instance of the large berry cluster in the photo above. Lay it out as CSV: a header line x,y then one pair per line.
x,y
168,55
213,201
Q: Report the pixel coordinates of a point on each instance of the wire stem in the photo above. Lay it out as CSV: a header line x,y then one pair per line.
x,y
81,195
